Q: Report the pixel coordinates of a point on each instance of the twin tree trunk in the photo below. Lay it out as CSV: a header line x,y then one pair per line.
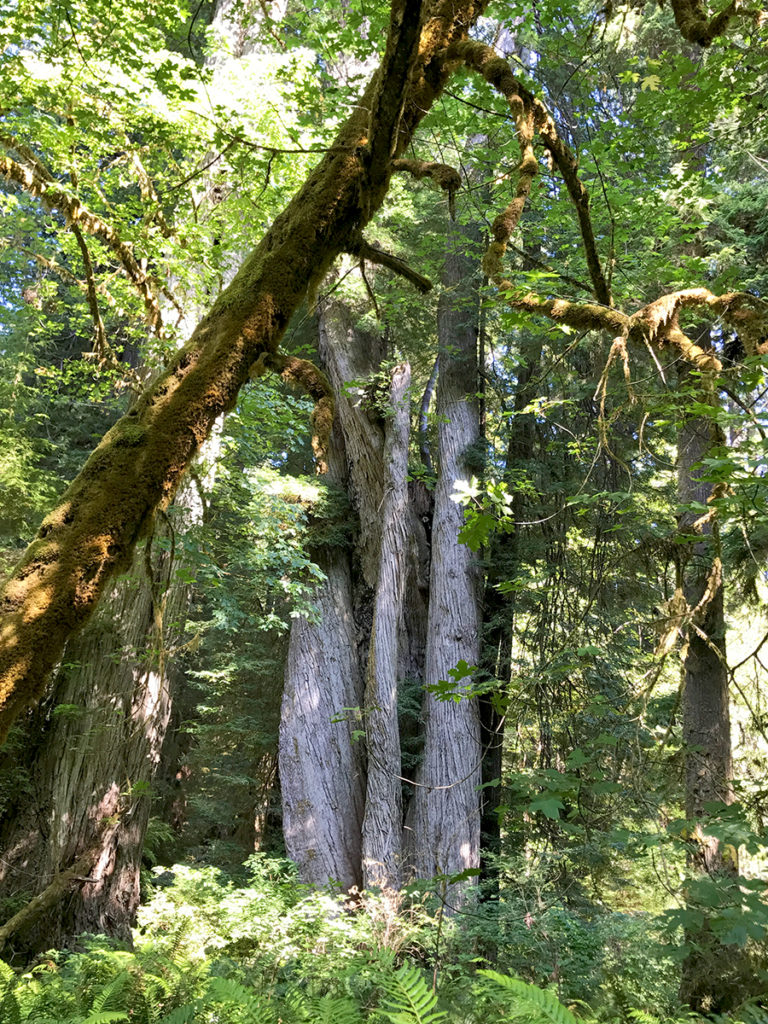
x,y
446,812
343,805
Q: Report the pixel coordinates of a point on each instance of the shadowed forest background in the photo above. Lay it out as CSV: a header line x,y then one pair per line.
x,y
390,384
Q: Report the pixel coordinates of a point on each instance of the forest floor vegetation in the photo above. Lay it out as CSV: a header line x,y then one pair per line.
x,y
260,948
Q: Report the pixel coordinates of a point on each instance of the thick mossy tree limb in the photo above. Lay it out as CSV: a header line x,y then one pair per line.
x,y
48,898
657,323
695,26
138,465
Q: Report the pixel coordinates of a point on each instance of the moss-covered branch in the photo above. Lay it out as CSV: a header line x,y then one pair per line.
x,y
532,116
138,465
33,177
62,883
303,374
444,176
657,323
691,19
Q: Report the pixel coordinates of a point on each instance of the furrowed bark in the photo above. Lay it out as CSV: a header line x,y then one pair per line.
x,y
446,818
383,821
138,465
322,768
96,746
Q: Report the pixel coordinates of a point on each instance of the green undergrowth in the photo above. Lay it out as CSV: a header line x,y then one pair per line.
x,y
263,949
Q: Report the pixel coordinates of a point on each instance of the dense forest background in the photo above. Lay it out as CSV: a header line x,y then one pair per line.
x,y
398,654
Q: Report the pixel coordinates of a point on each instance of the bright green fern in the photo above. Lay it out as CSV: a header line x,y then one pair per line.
x,y
529,1001
9,1005
238,1004
409,999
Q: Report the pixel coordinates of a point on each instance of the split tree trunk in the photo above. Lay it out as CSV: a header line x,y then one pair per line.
x,y
322,765
369,629
446,820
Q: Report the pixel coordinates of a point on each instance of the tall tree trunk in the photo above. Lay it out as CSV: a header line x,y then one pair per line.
x,y
446,821
371,629
322,769
96,744
708,971
383,821
499,608
321,766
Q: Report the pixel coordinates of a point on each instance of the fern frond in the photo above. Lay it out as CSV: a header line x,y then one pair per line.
x,y
10,1013
336,1010
254,1008
530,1000
752,1015
181,1015
643,1018
7,975
109,992
409,1000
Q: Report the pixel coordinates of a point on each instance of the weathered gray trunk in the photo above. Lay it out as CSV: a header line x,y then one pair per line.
x,y
383,821
322,769
446,819
97,743
371,623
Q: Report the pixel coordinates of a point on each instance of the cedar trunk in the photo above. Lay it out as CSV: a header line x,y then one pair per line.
x,y
95,745
383,821
446,813
344,667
